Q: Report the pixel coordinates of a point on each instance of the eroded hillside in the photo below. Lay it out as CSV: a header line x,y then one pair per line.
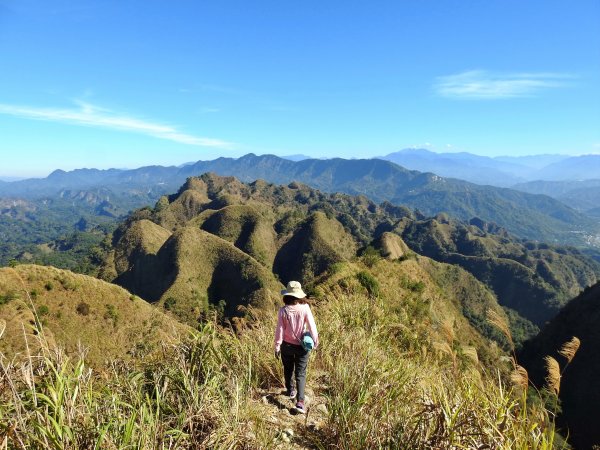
x,y
256,234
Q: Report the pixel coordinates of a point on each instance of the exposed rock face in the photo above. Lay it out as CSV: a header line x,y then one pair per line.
x,y
392,246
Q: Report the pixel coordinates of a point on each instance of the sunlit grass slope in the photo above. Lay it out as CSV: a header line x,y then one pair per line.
x,y
79,311
398,366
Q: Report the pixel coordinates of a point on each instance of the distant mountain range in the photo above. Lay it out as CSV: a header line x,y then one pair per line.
x,y
466,166
296,157
583,195
530,216
501,171
536,162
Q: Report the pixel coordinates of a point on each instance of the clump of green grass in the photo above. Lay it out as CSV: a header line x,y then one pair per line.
x,y
8,297
371,256
111,313
414,286
406,256
369,282
169,303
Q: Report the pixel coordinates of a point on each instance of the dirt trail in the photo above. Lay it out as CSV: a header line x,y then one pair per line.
x,y
294,430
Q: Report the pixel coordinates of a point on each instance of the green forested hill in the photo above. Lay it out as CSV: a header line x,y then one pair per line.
x,y
298,232
64,233
532,278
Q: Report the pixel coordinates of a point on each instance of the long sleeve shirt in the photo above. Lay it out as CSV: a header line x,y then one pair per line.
x,y
291,323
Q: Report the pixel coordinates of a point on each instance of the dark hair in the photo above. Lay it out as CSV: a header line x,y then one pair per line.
x,y
290,300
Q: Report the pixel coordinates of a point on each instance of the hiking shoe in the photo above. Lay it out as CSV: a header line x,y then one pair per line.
x,y
300,408
293,394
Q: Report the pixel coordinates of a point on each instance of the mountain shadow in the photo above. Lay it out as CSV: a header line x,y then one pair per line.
x,y
532,278
579,388
317,243
246,227
191,271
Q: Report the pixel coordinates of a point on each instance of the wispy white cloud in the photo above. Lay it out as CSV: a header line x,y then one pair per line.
x,y
484,85
207,110
90,115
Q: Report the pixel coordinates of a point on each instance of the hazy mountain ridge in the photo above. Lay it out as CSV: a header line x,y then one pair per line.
x,y
583,195
529,216
499,171
533,161
583,167
465,166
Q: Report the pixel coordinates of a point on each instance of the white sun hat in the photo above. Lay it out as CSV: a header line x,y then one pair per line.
x,y
294,289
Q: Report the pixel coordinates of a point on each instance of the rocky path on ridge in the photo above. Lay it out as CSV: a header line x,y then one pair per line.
x,y
294,430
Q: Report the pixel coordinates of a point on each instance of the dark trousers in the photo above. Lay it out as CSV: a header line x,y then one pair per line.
x,y
295,361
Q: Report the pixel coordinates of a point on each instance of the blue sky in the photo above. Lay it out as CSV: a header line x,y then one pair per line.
x,y
131,83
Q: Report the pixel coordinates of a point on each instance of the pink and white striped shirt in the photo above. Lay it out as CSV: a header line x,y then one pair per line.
x,y
291,322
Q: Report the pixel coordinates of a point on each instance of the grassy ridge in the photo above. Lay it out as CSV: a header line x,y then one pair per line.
x,y
399,368
77,310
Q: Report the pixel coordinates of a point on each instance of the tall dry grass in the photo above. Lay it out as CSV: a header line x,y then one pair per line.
x,y
385,385
383,396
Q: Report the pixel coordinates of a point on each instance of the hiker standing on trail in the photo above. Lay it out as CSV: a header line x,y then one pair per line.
x,y
292,321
